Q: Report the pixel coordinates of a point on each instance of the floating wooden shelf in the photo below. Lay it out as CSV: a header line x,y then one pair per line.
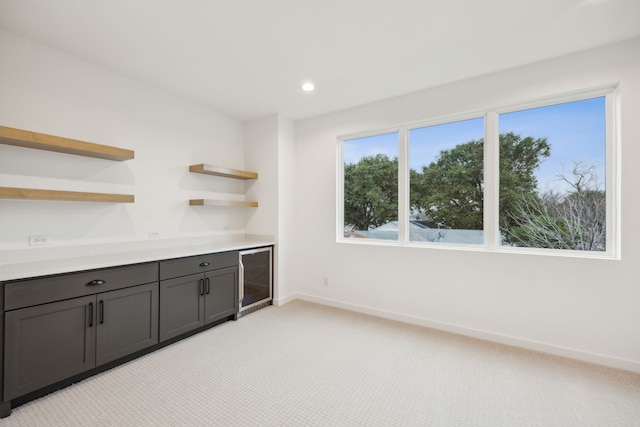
x,y
224,203
226,172
41,141
73,196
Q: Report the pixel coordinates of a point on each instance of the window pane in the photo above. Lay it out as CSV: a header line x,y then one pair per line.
x,y
447,182
552,176
371,187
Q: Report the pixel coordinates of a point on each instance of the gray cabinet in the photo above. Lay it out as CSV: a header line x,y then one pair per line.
x,y
195,291
126,321
48,339
57,327
221,294
181,306
48,343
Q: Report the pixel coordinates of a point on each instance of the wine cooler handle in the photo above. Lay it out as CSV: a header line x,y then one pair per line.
x,y
240,283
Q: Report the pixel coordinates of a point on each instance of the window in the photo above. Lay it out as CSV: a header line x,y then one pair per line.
x,y
536,177
552,176
446,178
371,187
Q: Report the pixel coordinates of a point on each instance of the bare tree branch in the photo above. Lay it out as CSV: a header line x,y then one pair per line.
x,y
575,220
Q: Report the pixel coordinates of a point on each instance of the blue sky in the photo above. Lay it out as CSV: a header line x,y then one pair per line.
x,y
355,149
575,131
428,142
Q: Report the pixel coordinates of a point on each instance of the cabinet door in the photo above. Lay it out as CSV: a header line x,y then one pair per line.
x,y
221,293
127,321
181,305
48,343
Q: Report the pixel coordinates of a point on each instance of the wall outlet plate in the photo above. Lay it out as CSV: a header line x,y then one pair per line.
x,y
154,234
39,239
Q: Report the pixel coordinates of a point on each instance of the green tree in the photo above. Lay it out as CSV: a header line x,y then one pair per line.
x,y
519,160
371,192
449,191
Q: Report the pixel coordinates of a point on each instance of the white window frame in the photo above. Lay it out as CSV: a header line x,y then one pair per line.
x,y
340,184
436,122
492,179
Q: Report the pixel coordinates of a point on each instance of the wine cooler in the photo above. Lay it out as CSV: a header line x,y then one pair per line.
x,y
256,279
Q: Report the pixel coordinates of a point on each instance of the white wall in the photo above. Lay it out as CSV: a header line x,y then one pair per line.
x,y
583,308
287,204
46,91
270,151
261,144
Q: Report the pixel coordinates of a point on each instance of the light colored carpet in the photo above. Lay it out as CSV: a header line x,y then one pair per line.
x,y
303,364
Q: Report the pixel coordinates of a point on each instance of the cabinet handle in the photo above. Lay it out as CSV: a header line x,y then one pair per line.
x,y
90,314
201,284
96,282
204,264
208,283
101,311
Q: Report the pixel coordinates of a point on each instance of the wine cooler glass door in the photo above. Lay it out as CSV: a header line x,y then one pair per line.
x,y
255,277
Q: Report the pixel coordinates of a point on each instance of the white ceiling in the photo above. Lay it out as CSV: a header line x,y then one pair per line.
x,y
248,58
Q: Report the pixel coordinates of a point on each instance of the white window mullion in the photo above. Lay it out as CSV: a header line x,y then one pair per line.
x,y
340,190
403,186
612,180
491,181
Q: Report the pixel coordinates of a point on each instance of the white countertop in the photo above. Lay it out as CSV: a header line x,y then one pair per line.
x,y
42,261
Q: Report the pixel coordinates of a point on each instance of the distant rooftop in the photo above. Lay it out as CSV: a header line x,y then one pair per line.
x,y
421,233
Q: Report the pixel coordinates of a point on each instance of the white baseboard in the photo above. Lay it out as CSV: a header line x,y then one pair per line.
x,y
284,300
598,359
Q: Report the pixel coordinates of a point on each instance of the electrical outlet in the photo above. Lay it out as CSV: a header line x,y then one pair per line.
x,y
39,239
325,281
226,227
154,234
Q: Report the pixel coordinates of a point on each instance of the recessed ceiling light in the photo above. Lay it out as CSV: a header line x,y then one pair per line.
x,y
308,87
